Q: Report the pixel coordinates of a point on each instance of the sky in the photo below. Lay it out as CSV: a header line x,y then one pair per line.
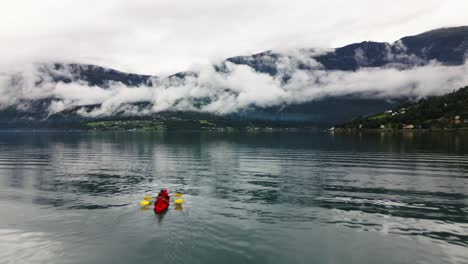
x,y
164,37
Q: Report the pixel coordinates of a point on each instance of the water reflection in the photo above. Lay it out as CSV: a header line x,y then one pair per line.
x,y
19,246
406,184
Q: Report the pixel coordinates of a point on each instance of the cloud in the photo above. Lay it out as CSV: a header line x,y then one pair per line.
x,y
236,88
154,37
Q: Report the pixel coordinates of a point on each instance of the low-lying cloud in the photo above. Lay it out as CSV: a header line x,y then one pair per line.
x,y
236,88
299,78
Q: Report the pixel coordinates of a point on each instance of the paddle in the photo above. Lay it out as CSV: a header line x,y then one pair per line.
x,y
145,203
146,200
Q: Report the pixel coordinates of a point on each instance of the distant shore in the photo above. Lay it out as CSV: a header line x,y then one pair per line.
x,y
463,129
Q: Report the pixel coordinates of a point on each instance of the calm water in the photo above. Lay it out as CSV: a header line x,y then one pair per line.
x,y
249,198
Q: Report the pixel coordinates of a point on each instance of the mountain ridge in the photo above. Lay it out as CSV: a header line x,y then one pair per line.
x,y
327,57
446,46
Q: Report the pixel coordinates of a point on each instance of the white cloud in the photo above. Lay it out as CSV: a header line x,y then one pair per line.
x,y
238,88
147,36
155,36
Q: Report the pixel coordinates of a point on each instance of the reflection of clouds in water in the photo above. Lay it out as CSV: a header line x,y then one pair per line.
x,y
218,167
18,246
456,254
167,158
223,155
450,237
94,167
257,163
198,157
89,156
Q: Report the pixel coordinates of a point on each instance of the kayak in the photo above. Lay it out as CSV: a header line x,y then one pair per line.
x,y
161,205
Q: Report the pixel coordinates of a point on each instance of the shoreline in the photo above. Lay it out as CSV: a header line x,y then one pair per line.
x,y
464,129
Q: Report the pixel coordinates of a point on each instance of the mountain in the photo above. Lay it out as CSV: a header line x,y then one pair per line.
x,y
449,111
94,75
446,46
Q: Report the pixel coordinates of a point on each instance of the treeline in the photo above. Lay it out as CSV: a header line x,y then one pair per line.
x,y
449,111
192,122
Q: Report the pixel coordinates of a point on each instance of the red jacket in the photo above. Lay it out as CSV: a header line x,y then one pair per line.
x,y
162,202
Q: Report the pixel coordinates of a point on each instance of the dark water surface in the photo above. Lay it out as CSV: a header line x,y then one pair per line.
x,y
72,197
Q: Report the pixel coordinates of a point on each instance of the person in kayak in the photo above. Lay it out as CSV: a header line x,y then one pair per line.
x,y
162,201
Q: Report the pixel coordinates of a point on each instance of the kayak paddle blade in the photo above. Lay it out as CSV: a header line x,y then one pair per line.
x,y
144,203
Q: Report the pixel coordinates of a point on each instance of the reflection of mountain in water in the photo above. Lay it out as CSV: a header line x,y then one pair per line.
x,y
390,183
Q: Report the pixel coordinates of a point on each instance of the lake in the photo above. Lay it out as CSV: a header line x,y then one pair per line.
x,y
282,197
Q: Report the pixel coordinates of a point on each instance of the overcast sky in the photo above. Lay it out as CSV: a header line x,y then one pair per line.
x,y
162,37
